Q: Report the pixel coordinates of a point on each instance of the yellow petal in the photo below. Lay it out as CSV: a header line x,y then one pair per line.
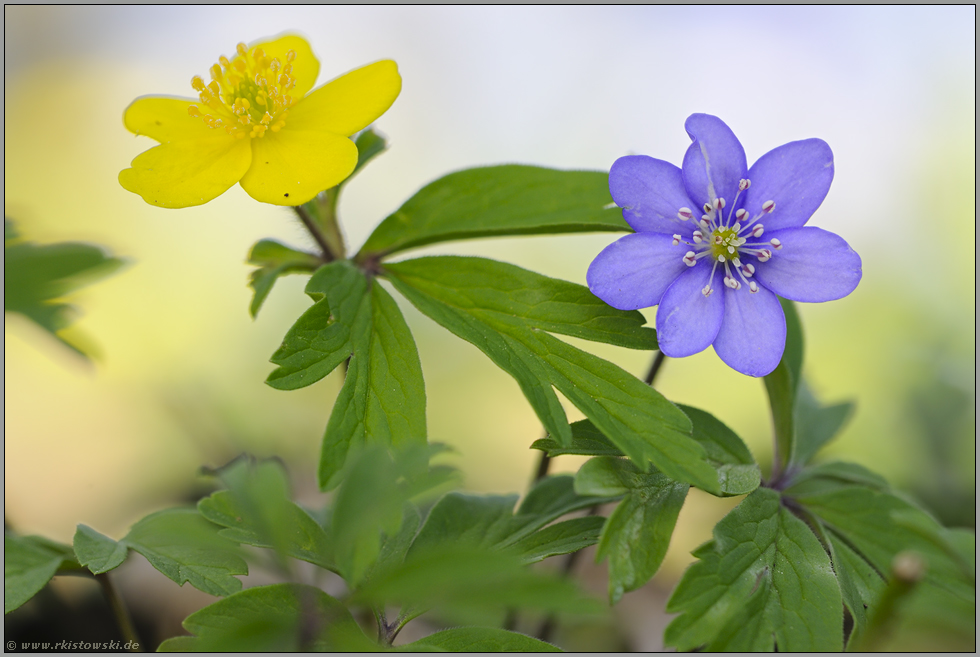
x,y
183,173
349,103
164,118
291,166
306,67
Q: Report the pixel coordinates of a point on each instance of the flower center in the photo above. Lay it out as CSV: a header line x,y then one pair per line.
x,y
247,95
726,243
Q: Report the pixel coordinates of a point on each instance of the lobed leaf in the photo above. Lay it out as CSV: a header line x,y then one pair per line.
x,y
187,548
816,425
636,536
479,639
764,583
499,200
96,551
635,417
29,562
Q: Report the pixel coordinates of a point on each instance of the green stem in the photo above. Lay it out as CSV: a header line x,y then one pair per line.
x,y
120,612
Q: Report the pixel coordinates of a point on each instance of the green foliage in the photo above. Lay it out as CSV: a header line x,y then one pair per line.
x,y
98,552
815,424
490,522
586,440
276,618
187,548
36,277
764,582
29,562
479,639
382,401
495,306
499,200
275,259
868,526
635,537
257,510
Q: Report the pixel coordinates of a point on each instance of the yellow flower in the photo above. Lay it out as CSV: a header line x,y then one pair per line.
x,y
255,124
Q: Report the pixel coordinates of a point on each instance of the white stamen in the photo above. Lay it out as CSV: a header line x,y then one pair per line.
x,y
731,249
684,214
742,214
698,237
736,261
748,269
721,258
717,239
768,206
776,243
704,222
690,258
744,184
737,227
753,288
719,203
707,208
764,255
676,240
706,291
757,231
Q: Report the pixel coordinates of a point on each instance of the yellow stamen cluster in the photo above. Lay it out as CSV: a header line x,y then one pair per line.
x,y
248,95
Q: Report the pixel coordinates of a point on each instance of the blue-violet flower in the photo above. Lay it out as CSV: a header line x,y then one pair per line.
x,y
716,241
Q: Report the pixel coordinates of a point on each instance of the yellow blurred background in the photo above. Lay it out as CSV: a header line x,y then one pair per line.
x,y
179,382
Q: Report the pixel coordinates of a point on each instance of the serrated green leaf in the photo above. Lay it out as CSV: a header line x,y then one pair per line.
x,y
257,510
96,551
320,340
490,522
635,417
765,582
275,259
636,536
29,562
187,548
499,200
276,618
36,276
480,639
816,425
382,401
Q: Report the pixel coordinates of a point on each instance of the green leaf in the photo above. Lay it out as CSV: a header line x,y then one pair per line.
x,y
833,475
369,144
586,440
382,401
276,618
782,383
187,548
480,639
96,551
495,201
738,473
816,425
29,562
275,259
490,522
764,582
257,510
636,536
466,582
321,339
494,306
560,538
36,276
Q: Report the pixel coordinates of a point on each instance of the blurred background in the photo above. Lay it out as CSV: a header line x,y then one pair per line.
x,y
178,380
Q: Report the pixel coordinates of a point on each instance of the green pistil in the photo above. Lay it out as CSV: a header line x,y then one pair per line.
x,y
721,240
